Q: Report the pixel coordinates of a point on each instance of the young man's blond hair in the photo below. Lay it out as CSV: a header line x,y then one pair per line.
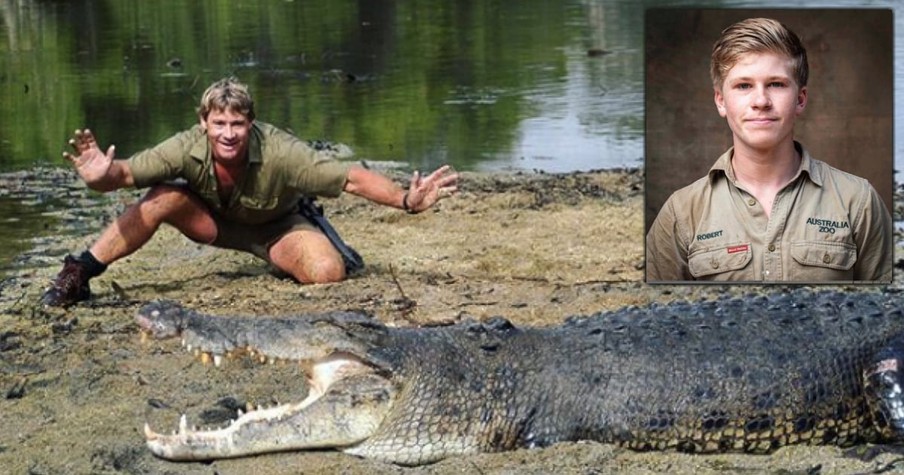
x,y
757,35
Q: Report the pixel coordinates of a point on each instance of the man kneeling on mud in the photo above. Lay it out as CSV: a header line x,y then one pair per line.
x,y
243,180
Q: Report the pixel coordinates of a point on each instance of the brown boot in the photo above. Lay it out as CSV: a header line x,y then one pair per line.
x,y
70,285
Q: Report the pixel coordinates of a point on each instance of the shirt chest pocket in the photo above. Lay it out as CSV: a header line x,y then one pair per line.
x,y
815,255
262,194
259,202
711,264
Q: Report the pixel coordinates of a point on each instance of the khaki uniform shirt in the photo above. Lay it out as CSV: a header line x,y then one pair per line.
x,y
281,168
826,225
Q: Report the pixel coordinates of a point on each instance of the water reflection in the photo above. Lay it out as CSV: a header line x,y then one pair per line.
x,y
478,84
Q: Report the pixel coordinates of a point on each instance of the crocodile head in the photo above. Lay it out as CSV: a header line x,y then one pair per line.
x,y
350,390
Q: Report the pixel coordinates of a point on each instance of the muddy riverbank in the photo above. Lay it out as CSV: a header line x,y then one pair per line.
x,y
77,385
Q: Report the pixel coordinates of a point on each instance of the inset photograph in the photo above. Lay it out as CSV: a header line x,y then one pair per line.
x,y
769,145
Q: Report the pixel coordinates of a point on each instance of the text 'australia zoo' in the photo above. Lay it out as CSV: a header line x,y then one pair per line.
x,y
827,225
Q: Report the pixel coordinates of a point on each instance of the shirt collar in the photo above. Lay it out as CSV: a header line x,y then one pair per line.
x,y
807,166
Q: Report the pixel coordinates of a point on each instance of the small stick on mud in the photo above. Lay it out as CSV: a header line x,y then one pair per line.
x,y
403,304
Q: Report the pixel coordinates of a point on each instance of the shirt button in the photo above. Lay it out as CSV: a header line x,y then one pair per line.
x,y
751,202
771,247
715,264
827,258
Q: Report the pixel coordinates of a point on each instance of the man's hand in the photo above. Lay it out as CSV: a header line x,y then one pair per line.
x,y
424,192
90,162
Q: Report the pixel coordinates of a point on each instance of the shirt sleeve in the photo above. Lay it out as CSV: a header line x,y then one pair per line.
x,y
163,162
666,256
874,237
315,173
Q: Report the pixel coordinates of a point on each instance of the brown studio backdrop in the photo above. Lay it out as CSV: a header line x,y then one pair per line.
x,y
848,121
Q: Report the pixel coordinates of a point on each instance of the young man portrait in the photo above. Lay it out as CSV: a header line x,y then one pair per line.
x,y
769,209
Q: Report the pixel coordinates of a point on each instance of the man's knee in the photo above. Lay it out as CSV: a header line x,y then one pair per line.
x,y
308,256
324,270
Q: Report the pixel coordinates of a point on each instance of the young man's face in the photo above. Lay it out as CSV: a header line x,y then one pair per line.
x,y
228,133
761,100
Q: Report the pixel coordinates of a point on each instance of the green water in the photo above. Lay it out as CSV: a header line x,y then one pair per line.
x,y
478,84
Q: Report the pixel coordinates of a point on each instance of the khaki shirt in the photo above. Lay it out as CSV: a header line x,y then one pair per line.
x,y
281,168
826,225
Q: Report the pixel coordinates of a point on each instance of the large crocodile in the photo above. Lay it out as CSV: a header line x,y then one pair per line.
x,y
745,374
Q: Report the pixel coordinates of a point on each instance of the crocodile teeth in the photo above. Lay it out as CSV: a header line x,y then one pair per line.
x,y
240,412
183,424
217,360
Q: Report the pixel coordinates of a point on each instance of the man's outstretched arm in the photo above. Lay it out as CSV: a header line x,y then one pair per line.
x,y
421,194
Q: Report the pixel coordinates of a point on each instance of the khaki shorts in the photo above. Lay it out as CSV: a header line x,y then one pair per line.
x,y
257,238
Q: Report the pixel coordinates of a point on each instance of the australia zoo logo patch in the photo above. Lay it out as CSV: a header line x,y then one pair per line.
x,y
827,225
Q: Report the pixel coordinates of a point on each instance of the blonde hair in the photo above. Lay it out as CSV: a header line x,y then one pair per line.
x,y
757,35
227,94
